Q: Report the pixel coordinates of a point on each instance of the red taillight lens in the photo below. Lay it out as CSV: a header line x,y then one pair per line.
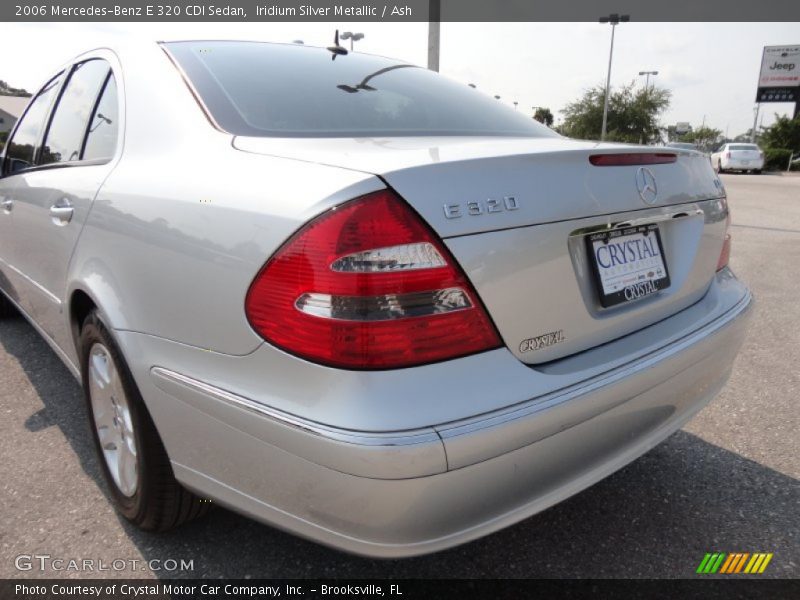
x,y
367,285
725,255
626,160
727,155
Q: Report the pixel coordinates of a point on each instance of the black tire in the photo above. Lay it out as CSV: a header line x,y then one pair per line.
x,y
6,308
159,503
757,171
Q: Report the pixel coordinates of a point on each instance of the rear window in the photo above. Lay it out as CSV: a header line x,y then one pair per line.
x,y
742,147
261,89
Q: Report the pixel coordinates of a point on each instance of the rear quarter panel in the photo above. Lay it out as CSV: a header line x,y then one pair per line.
x,y
185,221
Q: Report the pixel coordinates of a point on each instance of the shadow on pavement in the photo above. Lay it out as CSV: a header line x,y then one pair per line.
x,y
655,518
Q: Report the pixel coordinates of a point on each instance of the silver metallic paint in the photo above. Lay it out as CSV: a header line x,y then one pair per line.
x,y
479,494
386,463
538,279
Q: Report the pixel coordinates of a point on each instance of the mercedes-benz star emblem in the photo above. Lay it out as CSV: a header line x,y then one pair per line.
x,y
646,184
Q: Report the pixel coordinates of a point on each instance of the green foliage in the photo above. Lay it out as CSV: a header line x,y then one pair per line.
x,y
776,159
706,138
632,114
543,115
783,133
7,90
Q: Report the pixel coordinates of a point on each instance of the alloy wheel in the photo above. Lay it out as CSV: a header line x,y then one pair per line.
x,y
112,419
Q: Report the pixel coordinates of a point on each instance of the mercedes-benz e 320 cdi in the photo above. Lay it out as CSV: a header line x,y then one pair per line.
x,y
354,299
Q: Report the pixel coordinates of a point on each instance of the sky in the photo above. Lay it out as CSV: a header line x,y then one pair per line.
x,y
711,68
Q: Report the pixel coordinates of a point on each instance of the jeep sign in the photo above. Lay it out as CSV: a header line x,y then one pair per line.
x,y
779,79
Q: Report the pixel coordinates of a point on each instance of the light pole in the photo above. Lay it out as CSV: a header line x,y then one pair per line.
x,y
614,19
353,37
647,81
515,104
755,122
646,92
434,33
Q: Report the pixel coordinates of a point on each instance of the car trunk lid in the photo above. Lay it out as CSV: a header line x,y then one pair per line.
x,y
516,214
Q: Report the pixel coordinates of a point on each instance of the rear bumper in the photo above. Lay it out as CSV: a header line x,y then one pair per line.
x,y
414,492
743,165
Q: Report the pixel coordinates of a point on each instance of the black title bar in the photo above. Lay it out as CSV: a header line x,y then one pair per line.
x,y
400,589
403,11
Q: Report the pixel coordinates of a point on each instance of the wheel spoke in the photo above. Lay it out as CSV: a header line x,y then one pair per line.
x,y
99,368
103,416
127,470
130,443
107,436
121,401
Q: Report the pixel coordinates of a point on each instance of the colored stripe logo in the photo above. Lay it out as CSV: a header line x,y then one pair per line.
x,y
734,562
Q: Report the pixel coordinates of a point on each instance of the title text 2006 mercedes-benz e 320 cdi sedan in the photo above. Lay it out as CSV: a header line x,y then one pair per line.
x,y
349,297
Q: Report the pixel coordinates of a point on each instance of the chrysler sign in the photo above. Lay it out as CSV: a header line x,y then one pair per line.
x,y
779,80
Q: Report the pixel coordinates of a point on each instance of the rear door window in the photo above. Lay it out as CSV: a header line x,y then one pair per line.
x,y
68,126
101,139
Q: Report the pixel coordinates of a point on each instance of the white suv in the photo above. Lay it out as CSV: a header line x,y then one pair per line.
x,y
738,157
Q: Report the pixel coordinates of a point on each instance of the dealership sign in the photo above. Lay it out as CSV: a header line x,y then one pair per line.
x,y
779,80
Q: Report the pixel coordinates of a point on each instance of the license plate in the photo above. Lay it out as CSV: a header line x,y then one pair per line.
x,y
745,162
628,264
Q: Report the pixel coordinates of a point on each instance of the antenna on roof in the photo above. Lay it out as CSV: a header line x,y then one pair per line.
x,y
336,49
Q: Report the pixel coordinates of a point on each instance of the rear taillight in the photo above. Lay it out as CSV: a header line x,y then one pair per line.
x,y
725,255
727,155
367,285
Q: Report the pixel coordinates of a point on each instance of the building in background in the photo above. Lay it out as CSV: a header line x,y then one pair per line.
x,y
11,109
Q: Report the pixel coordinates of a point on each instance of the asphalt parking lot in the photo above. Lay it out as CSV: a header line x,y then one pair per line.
x,y
727,482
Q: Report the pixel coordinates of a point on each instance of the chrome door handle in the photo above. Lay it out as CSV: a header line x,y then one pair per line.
x,y
7,204
61,212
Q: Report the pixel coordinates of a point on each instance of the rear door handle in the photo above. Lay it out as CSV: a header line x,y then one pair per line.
x,y
61,212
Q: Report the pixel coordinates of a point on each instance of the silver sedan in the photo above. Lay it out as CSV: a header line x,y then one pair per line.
x,y
354,299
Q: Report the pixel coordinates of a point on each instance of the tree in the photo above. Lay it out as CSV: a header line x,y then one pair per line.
x,y
632,114
703,137
7,90
543,115
783,133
